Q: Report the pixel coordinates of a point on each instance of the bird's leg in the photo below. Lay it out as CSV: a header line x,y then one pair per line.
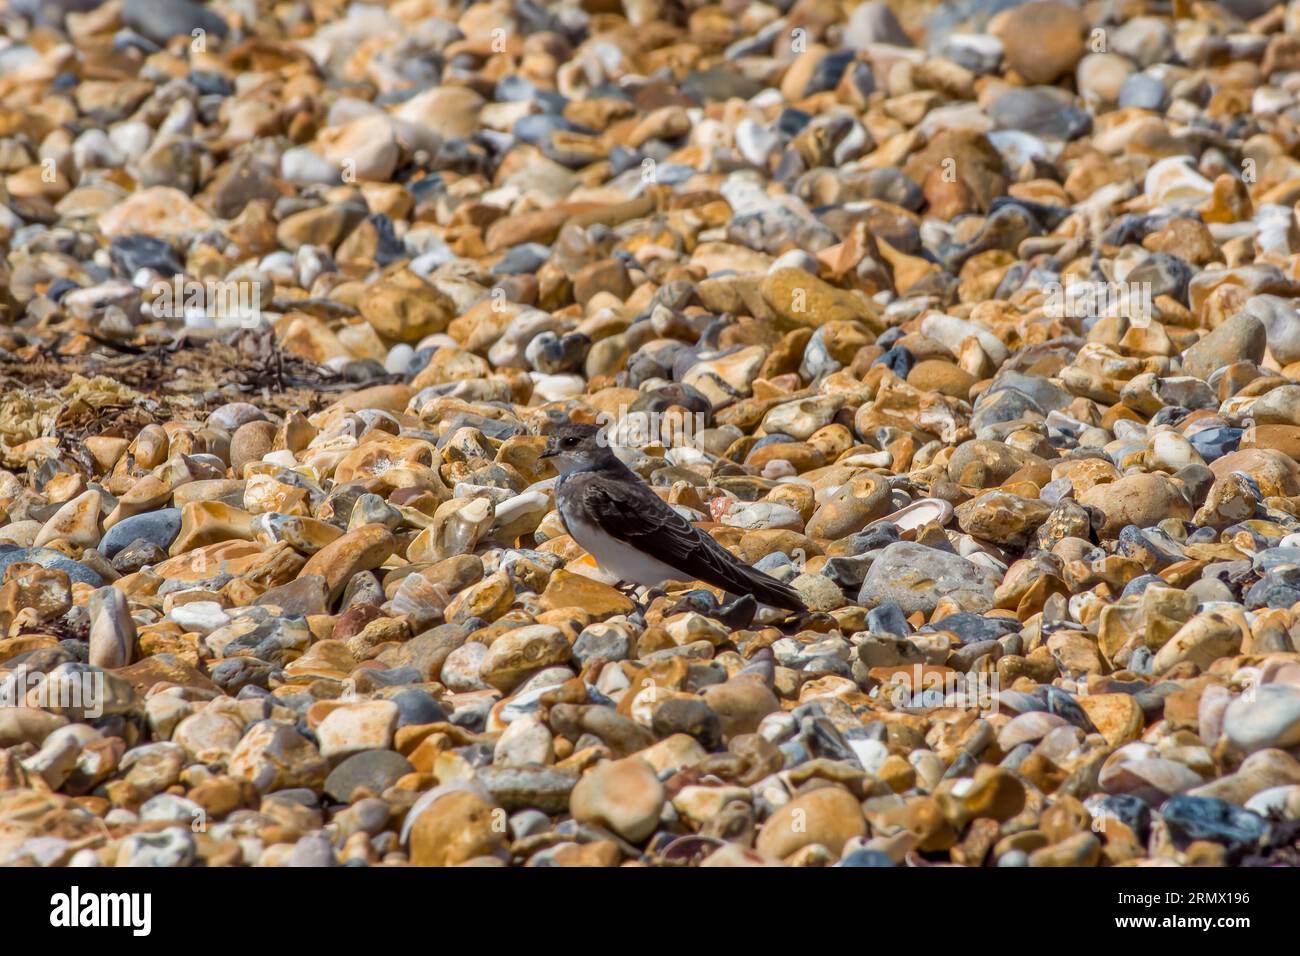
x,y
638,594
649,594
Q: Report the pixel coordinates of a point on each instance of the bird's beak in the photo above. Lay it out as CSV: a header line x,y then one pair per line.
x,y
549,452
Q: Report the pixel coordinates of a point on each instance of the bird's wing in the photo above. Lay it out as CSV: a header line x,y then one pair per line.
x,y
633,513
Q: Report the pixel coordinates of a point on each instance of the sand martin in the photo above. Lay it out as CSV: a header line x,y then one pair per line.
x,y
629,530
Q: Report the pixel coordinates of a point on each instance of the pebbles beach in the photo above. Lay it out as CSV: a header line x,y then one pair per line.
x,y
973,322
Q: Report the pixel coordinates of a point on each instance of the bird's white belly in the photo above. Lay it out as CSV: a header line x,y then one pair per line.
x,y
619,557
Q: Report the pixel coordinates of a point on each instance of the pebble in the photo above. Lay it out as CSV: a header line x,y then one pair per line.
x,y
828,817
1268,718
455,828
1043,40
917,578
375,770
352,728
624,795
1209,818
158,528
112,631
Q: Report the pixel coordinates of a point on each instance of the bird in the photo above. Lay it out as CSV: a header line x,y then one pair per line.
x,y
629,530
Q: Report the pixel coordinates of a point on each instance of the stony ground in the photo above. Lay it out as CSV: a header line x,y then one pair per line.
x,y
973,321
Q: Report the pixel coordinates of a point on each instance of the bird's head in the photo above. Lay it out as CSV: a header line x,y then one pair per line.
x,y
576,447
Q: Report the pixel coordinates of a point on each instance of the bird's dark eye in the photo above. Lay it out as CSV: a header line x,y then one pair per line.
x,y
570,442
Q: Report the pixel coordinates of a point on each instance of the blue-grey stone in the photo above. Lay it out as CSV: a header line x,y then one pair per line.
x,y
1057,701
1267,560
874,537
388,248
1141,91
49,558
1043,111
313,850
157,527
160,20
608,642
1004,405
376,770
889,337
516,89
537,128
132,253
1198,480
888,618
817,361
1212,443
1167,275
210,84
1056,491
721,83
830,68
1279,588
892,185
525,258
963,16
1045,394
1139,585
847,572
1149,546
276,640
373,679
235,674
919,577
898,359
1209,818
415,707
972,628
979,52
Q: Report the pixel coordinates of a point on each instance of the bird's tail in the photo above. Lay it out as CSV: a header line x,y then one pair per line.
x,y
768,590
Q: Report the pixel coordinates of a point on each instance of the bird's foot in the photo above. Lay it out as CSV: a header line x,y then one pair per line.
x,y
630,591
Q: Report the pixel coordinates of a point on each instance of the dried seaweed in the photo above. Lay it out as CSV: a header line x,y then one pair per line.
x,y
120,387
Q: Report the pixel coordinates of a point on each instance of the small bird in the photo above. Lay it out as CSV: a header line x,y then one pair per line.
x,y
630,531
